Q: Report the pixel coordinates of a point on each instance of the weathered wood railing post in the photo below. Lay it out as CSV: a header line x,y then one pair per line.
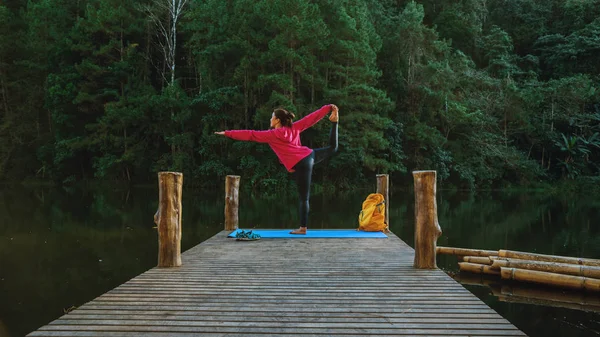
x,y
383,187
168,218
427,228
232,186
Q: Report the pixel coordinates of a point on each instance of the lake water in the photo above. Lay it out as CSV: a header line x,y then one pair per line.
x,y
62,247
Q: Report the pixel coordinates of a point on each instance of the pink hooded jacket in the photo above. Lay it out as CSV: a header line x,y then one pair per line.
x,y
285,141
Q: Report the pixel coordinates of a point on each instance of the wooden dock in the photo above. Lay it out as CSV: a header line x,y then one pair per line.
x,y
330,287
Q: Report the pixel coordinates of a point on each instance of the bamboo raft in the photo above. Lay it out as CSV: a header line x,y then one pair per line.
x,y
558,271
287,287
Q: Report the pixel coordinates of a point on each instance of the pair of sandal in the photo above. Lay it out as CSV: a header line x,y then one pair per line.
x,y
246,236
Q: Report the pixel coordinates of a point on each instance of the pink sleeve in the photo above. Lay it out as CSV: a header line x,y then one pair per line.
x,y
312,118
251,135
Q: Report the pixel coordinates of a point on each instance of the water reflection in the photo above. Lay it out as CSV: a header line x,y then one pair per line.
x,y
530,222
538,310
532,294
62,247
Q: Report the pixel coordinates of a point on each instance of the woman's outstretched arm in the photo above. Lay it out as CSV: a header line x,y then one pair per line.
x,y
312,118
249,135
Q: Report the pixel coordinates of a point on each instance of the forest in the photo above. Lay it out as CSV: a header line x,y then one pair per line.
x,y
489,93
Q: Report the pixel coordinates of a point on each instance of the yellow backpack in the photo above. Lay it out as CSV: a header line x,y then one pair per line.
x,y
372,215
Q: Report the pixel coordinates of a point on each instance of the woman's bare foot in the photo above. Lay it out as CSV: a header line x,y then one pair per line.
x,y
301,230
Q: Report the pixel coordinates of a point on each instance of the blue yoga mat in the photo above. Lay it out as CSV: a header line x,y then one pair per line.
x,y
313,234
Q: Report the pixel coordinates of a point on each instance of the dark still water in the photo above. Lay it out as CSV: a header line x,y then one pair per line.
x,y
61,247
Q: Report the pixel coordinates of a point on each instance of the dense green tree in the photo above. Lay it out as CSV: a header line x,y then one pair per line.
x,y
565,125
367,110
462,22
574,53
523,20
486,93
298,58
90,99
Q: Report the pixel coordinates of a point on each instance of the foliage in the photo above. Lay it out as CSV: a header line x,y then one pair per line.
x,y
486,93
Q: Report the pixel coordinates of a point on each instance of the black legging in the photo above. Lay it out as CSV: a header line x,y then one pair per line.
x,y
304,171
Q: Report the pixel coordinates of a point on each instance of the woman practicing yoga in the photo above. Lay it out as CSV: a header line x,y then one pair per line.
x,y
284,139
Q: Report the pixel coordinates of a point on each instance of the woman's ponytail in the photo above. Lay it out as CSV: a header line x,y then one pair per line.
x,y
286,117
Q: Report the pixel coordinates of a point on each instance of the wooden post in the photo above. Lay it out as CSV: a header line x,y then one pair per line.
x,y
232,186
383,187
168,218
427,228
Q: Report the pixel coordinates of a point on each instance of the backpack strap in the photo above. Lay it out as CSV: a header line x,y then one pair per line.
x,y
379,205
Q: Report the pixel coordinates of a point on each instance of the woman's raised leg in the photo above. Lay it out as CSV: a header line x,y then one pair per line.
x,y
328,151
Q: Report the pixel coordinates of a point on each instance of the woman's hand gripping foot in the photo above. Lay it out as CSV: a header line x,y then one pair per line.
x,y
334,117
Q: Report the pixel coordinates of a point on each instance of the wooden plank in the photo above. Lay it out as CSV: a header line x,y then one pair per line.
x,y
253,293
209,334
475,315
337,294
266,286
361,306
177,325
289,330
273,317
288,301
287,287
469,310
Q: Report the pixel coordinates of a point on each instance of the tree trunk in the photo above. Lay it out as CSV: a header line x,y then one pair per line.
x,y
198,72
552,116
173,40
408,71
148,56
543,154
246,99
4,95
292,81
167,32
427,228
312,89
168,219
383,188
505,129
232,186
